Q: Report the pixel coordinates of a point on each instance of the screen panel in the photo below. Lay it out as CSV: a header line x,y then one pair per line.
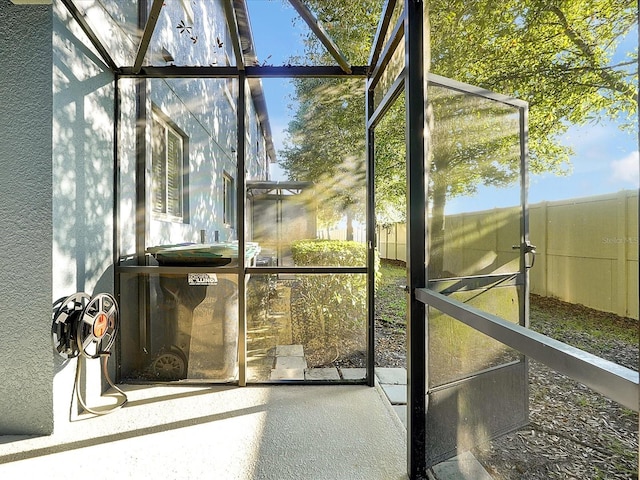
x,y
306,327
189,330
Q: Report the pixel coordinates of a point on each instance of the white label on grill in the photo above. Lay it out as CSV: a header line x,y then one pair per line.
x,y
203,279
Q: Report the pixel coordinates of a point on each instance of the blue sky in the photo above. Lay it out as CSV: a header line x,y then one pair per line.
x,y
606,159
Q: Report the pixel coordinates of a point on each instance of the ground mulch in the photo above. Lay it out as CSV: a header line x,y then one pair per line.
x,y
574,432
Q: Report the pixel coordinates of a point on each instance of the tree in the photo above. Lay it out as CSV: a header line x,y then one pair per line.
x,y
333,155
326,139
554,54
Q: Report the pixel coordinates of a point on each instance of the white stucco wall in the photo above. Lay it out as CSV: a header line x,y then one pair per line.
x,y
82,178
57,166
26,363
127,165
204,109
83,160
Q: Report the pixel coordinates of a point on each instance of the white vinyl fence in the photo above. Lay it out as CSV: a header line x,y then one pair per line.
x,y
587,248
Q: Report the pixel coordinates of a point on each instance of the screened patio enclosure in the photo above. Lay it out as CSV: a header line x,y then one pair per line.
x,y
214,273
212,285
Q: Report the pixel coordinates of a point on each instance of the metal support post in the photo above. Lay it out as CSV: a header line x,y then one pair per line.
x,y
240,228
371,239
416,238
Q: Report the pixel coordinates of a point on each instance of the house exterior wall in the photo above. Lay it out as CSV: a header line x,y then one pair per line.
x,y
205,111
83,163
57,161
83,194
26,256
202,110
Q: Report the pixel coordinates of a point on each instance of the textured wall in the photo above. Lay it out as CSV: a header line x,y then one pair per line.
x,y
82,158
25,212
82,174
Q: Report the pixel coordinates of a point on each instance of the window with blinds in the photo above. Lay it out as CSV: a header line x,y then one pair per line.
x,y
167,185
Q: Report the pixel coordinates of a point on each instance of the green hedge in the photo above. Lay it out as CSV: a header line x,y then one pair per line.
x,y
329,253
329,312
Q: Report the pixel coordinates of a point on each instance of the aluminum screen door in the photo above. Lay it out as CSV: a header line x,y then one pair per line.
x,y
478,254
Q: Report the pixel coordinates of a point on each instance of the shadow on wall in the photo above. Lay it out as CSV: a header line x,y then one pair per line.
x,y
83,140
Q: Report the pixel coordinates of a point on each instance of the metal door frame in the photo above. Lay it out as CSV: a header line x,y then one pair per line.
x,y
507,391
616,382
610,379
412,82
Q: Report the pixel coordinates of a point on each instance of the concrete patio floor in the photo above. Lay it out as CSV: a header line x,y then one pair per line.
x,y
275,432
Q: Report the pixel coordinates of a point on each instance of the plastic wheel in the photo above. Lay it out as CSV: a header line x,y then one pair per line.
x,y
169,366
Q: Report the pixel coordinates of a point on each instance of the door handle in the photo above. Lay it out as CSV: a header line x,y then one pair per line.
x,y
528,248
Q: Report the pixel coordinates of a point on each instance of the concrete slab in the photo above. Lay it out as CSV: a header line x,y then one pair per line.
x,y
289,351
401,411
263,432
397,394
321,374
463,467
391,376
353,373
290,362
287,374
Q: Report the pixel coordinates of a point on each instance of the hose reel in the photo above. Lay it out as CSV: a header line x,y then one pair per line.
x,y
87,327
66,312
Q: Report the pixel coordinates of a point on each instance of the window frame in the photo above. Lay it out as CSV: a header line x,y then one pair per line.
x,y
169,128
228,199
231,88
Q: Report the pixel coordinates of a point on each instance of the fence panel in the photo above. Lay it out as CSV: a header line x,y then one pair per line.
x,y
587,248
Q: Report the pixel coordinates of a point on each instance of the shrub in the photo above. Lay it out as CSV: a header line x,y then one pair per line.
x,y
329,312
